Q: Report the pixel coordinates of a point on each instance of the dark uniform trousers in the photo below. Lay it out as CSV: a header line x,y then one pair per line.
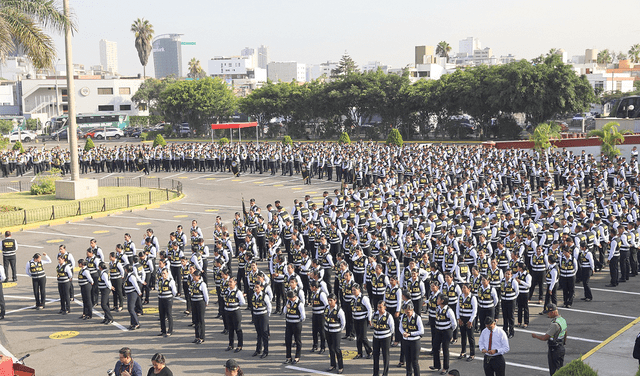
x,y
411,355
39,290
614,264
335,353
234,322
381,344
586,275
483,313
95,290
568,285
261,322
550,297
556,358
466,334
523,308
317,328
9,261
117,293
293,331
2,308
164,307
537,280
507,316
87,304
132,297
63,290
104,303
360,327
494,365
197,316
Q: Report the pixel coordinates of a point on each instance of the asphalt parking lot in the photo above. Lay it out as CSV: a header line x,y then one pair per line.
x,y
93,350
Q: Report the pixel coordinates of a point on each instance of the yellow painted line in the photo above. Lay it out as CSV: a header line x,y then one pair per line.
x,y
101,232
210,179
258,182
212,292
9,284
14,181
236,179
151,177
606,341
180,216
143,223
348,354
211,210
310,193
296,189
150,311
279,185
183,177
55,241
317,198
64,335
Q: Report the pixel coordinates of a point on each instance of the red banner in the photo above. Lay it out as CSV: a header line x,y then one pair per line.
x,y
234,125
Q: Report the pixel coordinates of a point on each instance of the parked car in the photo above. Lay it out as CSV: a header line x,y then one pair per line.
x,y
61,135
99,133
24,136
131,132
184,130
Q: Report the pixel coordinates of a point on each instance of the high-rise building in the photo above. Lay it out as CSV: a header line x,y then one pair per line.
x,y
425,55
167,55
109,56
287,71
591,55
263,57
468,45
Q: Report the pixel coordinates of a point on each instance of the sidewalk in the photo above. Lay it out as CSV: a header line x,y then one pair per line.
x,y
614,355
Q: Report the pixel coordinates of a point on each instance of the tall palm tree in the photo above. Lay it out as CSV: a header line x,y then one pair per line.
x,y
443,50
143,30
195,70
605,57
634,53
22,24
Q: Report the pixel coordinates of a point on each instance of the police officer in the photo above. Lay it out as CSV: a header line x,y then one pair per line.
x,y
411,329
35,270
63,275
556,337
261,309
334,323
199,300
467,311
233,299
361,311
445,325
105,286
166,291
383,327
85,281
294,315
318,301
9,249
2,308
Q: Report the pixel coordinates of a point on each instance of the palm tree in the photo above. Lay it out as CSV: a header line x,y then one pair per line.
x,y
195,70
604,57
443,50
143,30
22,24
634,53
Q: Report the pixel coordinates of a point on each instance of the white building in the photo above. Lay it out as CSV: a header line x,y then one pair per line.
x,y
239,72
316,71
468,45
424,71
374,65
109,56
93,95
17,68
286,71
263,57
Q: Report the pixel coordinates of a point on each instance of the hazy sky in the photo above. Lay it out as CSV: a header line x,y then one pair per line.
x,y
373,30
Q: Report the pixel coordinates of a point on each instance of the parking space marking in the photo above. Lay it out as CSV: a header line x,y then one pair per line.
x,y
309,370
174,175
30,246
605,290
201,176
591,312
101,225
569,337
106,176
153,219
611,338
95,312
173,211
55,241
142,223
57,234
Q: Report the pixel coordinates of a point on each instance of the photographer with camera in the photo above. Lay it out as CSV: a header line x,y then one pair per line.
x,y
126,366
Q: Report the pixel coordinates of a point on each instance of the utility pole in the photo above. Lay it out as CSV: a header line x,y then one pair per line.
x,y
71,94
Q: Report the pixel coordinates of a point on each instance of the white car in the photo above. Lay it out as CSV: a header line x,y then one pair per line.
x,y
111,133
23,136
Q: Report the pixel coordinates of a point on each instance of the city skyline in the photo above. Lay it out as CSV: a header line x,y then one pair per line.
x,y
371,31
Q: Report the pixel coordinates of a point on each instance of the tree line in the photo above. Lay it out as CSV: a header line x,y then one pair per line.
x,y
378,102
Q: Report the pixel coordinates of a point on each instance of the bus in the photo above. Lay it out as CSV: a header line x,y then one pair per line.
x,y
90,121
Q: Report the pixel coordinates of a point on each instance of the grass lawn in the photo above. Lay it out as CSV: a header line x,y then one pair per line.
x,y
24,200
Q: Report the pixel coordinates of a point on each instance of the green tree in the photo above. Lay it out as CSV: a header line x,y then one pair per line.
x,y
344,138
223,141
195,70
621,56
442,49
6,126
543,134
198,102
610,137
22,24
89,144
159,141
605,57
18,146
634,53
345,66
33,124
394,138
287,140
576,368
143,31
148,94
262,104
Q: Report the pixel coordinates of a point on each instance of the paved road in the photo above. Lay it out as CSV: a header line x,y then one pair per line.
x,y
94,349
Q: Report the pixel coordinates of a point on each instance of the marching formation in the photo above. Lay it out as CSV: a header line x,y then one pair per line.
x,y
426,241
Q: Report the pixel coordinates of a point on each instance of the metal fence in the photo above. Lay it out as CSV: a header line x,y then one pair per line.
x,y
174,185
165,190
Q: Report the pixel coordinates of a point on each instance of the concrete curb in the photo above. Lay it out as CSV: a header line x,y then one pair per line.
x,y
60,221
613,355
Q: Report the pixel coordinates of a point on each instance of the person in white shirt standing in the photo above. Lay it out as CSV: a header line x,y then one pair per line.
x,y
493,344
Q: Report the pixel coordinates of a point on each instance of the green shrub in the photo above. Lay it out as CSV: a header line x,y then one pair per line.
x,y
167,130
45,183
576,368
138,121
344,138
159,140
18,146
287,140
144,136
4,142
394,138
89,144
223,141
33,124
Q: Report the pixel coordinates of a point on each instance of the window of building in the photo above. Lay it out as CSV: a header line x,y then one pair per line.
x,y
105,107
63,91
125,90
125,107
599,85
142,107
105,91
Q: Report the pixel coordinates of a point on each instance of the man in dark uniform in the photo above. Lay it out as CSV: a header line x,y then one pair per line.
x,y
9,248
261,309
334,322
556,337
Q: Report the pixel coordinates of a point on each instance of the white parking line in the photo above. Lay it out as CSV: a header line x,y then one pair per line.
x,y
24,275
309,370
95,312
13,189
182,212
605,290
58,234
591,312
201,176
147,218
570,337
174,175
101,225
30,246
6,352
107,175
